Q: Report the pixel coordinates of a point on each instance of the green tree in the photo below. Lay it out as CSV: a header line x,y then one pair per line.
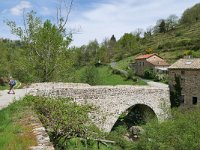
x,y
92,49
191,15
128,44
111,47
45,45
148,32
171,22
162,26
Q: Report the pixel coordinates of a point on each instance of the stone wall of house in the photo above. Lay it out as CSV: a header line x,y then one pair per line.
x,y
110,101
190,84
141,65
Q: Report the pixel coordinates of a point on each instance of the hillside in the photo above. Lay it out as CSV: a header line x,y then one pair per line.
x,y
174,43
171,45
183,37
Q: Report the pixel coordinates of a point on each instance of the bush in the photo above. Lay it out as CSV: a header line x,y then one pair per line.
x,y
178,34
181,132
3,81
149,74
118,135
91,75
183,42
64,119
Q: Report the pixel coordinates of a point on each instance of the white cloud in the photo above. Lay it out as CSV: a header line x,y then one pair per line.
x,y
18,9
120,16
45,11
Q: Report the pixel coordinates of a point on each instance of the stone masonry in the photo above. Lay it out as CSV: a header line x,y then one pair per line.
x,y
188,72
110,101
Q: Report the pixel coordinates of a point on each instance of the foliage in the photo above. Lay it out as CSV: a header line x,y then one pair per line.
x,y
162,26
149,74
105,76
175,93
15,130
149,51
118,135
179,132
187,52
91,75
44,44
64,119
128,43
191,15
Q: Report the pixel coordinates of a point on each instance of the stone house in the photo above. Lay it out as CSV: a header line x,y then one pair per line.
x,y
188,72
150,61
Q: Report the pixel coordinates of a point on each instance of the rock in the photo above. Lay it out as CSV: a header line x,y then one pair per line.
x,y
136,131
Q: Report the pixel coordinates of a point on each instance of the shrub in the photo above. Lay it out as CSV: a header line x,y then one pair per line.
x,y
178,34
64,119
187,52
90,75
149,74
183,42
131,75
3,81
180,132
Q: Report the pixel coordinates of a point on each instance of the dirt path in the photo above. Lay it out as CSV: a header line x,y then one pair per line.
x,y
6,99
156,84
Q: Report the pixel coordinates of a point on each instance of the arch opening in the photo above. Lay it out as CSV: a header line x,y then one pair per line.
x,y
136,115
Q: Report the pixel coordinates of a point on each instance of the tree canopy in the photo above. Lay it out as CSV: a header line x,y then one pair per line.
x,y
45,45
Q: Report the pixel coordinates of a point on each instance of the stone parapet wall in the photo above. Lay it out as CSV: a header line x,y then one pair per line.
x,y
111,101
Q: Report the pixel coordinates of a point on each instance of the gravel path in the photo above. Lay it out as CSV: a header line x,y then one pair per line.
x,y
156,84
6,99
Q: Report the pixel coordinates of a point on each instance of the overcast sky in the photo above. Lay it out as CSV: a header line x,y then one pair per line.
x,y
96,19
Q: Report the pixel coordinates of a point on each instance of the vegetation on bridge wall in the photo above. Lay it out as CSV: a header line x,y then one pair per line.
x,y
175,93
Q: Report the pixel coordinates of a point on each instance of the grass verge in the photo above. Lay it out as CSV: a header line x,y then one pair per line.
x,y
15,129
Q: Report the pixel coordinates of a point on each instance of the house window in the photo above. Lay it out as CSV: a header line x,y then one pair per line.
x,y
194,100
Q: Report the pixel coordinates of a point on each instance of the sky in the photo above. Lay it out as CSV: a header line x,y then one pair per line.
x,y
95,19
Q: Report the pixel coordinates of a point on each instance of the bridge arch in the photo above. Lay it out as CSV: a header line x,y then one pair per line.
x,y
110,101
137,114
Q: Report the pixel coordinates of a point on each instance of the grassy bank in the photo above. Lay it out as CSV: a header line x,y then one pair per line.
x,y
15,129
105,76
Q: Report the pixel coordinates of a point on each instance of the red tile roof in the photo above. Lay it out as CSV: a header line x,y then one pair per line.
x,y
145,56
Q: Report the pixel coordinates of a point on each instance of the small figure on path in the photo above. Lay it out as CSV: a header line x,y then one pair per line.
x,y
11,83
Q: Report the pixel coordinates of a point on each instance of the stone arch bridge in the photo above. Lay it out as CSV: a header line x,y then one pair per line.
x,y
111,101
